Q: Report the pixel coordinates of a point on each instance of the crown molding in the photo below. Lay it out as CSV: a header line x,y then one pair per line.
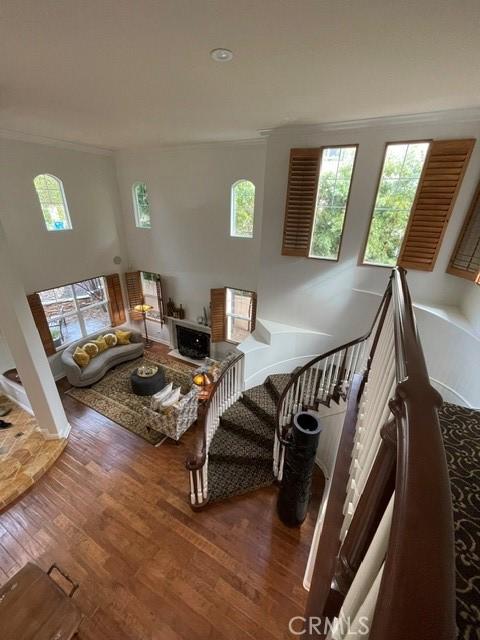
x,y
259,140
431,117
19,136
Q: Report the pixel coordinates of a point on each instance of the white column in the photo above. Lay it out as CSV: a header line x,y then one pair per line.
x,y
22,337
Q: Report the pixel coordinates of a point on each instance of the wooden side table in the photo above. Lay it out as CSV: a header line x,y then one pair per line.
x,y
34,607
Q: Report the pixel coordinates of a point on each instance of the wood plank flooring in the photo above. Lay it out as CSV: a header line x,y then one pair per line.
x,y
113,513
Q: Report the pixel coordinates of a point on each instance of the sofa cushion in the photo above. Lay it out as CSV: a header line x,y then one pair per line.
x,y
172,398
91,348
101,344
160,396
111,339
123,337
81,357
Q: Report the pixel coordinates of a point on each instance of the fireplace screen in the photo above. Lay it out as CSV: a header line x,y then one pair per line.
x,y
193,344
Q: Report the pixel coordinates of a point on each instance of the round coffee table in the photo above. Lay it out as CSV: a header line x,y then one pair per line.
x,y
147,386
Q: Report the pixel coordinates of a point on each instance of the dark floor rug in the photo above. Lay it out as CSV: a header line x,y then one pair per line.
x,y
461,437
112,395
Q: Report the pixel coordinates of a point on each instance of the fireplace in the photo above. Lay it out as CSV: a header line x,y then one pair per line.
x,y
192,344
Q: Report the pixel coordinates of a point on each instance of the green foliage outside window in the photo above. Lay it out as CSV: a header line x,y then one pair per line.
x,y
333,187
243,205
142,205
396,192
52,201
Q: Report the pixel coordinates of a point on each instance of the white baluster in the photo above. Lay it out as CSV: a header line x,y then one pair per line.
x,y
324,364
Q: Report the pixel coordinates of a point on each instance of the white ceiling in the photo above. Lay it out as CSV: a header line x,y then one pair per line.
x,y
121,73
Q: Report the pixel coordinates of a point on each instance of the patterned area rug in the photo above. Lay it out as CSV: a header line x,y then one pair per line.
x,y
112,395
461,437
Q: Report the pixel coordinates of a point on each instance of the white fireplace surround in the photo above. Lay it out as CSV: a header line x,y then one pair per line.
x,y
190,324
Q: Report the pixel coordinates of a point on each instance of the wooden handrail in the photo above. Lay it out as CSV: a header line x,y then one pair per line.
x,y
417,592
416,597
196,459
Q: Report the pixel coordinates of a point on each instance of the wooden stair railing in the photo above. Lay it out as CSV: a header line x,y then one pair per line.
x,y
325,378
226,390
385,559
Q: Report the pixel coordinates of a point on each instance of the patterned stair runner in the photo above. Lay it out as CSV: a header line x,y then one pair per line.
x,y
241,452
461,437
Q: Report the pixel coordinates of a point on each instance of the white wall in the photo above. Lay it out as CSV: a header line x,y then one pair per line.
x,y
317,294
189,243
470,305
47,259
6,358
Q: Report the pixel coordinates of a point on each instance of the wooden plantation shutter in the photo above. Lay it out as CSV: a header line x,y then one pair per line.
x,y
160,297
116,307
253,311
218,314
437,191
465,260
41,323
133,281
301,200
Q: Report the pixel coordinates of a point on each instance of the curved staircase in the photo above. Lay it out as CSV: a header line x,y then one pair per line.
x,y
240,456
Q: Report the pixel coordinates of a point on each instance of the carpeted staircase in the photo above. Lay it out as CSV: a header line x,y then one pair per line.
x,y
461,437
241,452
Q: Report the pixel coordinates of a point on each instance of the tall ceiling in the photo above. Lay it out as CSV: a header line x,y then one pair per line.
x,y
122,73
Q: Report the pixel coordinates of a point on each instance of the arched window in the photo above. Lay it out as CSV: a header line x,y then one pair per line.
x,y
141,205
53,202
242,209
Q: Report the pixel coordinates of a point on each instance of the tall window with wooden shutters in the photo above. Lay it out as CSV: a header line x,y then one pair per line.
x,y
437,192
233,314
72,311
465,260
144,287
133,282
319,183
417,189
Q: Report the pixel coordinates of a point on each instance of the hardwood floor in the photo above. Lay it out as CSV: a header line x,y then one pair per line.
x,y
113,513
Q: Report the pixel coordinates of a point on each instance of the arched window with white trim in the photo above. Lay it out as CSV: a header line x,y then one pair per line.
x,y
141,205
52,200
242,209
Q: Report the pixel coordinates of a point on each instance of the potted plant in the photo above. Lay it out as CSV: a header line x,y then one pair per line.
x,y
56,336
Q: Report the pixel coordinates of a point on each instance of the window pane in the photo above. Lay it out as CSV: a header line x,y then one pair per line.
x,y
239,310
96,318
333,188
238,329
52,201
243,206
89,292
149,288
64,329
401,172
74,311
141,205
240,303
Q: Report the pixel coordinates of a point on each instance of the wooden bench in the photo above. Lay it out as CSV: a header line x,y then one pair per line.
x,y
34,607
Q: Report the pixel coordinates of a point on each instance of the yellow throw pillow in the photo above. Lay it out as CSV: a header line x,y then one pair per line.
x,y
81,357
123,337
91,348
101,344
110,339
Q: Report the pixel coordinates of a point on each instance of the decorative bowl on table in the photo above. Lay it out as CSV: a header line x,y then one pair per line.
x,y
147,371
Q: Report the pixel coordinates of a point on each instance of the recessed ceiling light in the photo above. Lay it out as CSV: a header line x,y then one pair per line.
x,y
221,55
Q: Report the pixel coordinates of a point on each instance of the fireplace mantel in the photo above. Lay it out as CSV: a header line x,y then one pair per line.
x,y
188,323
